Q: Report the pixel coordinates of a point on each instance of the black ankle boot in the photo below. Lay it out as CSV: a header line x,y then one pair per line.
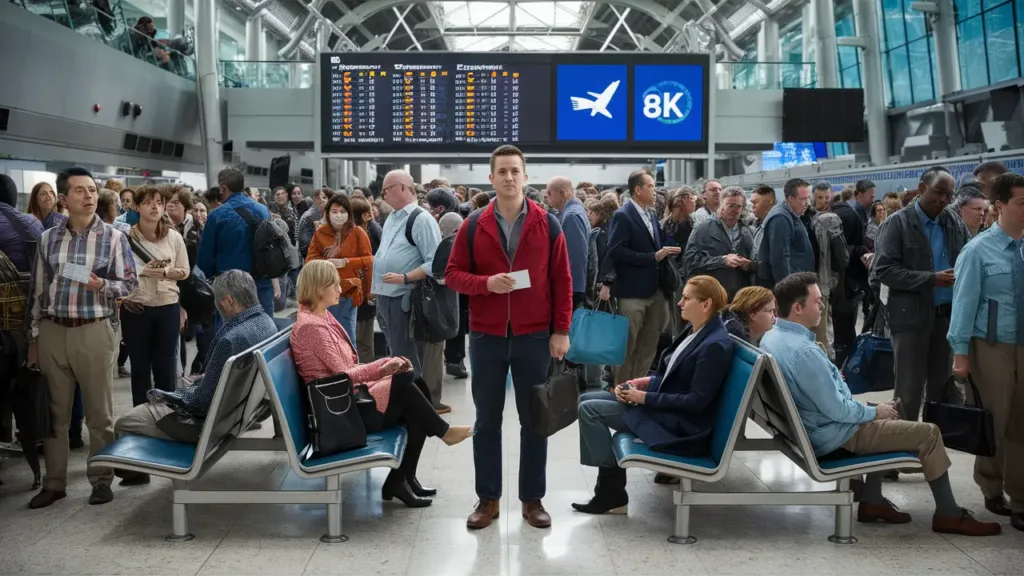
x,y
609,494
396,487
420,490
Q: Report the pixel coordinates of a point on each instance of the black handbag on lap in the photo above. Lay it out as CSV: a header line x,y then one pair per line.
x,y
332,416
964,427
553,405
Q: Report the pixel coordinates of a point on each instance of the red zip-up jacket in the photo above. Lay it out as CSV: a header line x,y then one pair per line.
x,y
546,304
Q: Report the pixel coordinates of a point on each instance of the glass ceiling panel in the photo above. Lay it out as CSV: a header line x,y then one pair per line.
x,y
522,43
531,14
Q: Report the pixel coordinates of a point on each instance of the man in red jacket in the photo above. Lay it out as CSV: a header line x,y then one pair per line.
x,y
517,277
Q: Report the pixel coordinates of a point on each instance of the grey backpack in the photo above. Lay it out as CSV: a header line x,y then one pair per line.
x,y
272,253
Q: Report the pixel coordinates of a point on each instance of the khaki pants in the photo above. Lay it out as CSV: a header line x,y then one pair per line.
x,y
86,355
998,372
647,317
920,438
433,371
364,338
142,420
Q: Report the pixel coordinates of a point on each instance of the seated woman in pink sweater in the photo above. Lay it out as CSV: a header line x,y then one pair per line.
x,y
321,348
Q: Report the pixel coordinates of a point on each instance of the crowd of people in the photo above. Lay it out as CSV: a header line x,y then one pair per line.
x,y
942,268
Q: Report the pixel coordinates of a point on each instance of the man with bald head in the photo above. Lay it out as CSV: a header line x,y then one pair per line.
x,y
399,264
576,226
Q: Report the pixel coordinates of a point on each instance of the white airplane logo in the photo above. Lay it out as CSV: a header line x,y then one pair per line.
x,y
599,104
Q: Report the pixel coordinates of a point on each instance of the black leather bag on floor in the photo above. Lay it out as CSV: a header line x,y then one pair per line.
x,y
964,427
332,416
553,405
30,403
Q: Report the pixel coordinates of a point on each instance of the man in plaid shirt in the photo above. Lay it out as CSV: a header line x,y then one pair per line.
x,y
82,269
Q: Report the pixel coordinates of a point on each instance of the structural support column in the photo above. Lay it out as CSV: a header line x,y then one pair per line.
x,y
255,40
175,17
868,41
323,37
769,50
947,63
825,32
209,86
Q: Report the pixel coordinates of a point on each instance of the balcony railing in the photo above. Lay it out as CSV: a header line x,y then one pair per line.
x,y
765,75
173,55
235,74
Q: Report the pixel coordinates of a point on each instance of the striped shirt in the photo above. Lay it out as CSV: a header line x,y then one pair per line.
x,y
100,248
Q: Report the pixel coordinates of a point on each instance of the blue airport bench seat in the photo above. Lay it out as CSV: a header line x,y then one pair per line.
x,y
233,410
383,449
747,367
774,410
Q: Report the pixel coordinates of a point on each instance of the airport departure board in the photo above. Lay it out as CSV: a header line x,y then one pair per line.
x,y
416,100
578,102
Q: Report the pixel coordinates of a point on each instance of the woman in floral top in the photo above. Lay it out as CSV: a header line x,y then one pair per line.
x,y
322,348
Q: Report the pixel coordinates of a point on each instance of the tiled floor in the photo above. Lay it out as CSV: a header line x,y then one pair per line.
x,y
126,536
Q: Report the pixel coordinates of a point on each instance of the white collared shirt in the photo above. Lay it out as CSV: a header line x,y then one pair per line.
x,y
645,215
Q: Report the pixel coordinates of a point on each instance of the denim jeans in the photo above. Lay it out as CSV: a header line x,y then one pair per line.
x,y
491,358
345,313
598,412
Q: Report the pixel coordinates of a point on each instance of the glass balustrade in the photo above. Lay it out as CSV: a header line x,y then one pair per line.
x,y
236,74
765,75
109,27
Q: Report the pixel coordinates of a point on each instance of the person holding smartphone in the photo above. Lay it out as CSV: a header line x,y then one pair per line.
x,y
151,315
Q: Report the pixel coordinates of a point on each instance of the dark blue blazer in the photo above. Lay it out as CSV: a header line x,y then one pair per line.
x,y
678,414
631,250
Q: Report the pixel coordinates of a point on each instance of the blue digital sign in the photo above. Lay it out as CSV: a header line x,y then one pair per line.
x,y
789,154
668,103
591,102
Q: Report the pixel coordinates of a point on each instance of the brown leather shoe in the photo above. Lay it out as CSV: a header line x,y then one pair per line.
x,y
886,512
536,515
964,524
485,513
46,497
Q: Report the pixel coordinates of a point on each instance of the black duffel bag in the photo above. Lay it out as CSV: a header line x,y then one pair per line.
x,y
964,427
553,404
332,416
30,404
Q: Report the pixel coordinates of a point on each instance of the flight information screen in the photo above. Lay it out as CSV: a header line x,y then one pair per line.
x,y
471,102
414,102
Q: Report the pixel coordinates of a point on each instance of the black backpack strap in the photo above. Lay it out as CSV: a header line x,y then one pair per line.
x,y
409,224
137,249
554,229
470,232
19,228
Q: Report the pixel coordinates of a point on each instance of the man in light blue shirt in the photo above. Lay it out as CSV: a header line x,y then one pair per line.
x,y
987,337
834,420
399,264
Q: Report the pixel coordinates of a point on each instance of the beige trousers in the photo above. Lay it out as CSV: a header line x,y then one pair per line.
x,y
142,420
920,438
648,318
85,355
998,372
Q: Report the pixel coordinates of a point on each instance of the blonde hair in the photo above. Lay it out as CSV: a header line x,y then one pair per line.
x,y
707,288
315,276
749,300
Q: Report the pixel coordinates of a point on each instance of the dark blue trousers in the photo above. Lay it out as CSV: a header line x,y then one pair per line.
x,y
491,358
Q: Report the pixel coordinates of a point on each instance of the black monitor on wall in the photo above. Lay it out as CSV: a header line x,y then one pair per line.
x,y
823,115
443,102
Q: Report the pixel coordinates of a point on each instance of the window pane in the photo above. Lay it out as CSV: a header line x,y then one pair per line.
x,y
967,8
921,71
900,69
848,56
1001,43
986,4
915,24
892,13
850,77
973,67
1020,30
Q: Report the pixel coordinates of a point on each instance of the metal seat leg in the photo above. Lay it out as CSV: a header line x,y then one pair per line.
x,y
334,535
681,529
844,517
179,518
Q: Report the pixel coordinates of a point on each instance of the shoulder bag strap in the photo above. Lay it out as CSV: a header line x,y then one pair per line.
x,y
144,254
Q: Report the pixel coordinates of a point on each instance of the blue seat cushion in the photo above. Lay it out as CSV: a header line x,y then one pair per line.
x,y
382,445
626,445
863,460
150,452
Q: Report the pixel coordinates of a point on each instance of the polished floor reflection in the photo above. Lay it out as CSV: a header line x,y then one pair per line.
x,y
126,536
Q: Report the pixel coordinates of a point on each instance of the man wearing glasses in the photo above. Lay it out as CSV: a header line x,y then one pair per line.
x,y
399,264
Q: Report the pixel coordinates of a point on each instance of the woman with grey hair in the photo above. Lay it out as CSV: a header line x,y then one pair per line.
x,y
449,224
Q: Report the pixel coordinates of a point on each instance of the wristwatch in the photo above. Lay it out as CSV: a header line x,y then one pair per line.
x,y
405,278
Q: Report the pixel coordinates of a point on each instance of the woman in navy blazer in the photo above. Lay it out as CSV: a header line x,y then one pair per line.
x,y
672,411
